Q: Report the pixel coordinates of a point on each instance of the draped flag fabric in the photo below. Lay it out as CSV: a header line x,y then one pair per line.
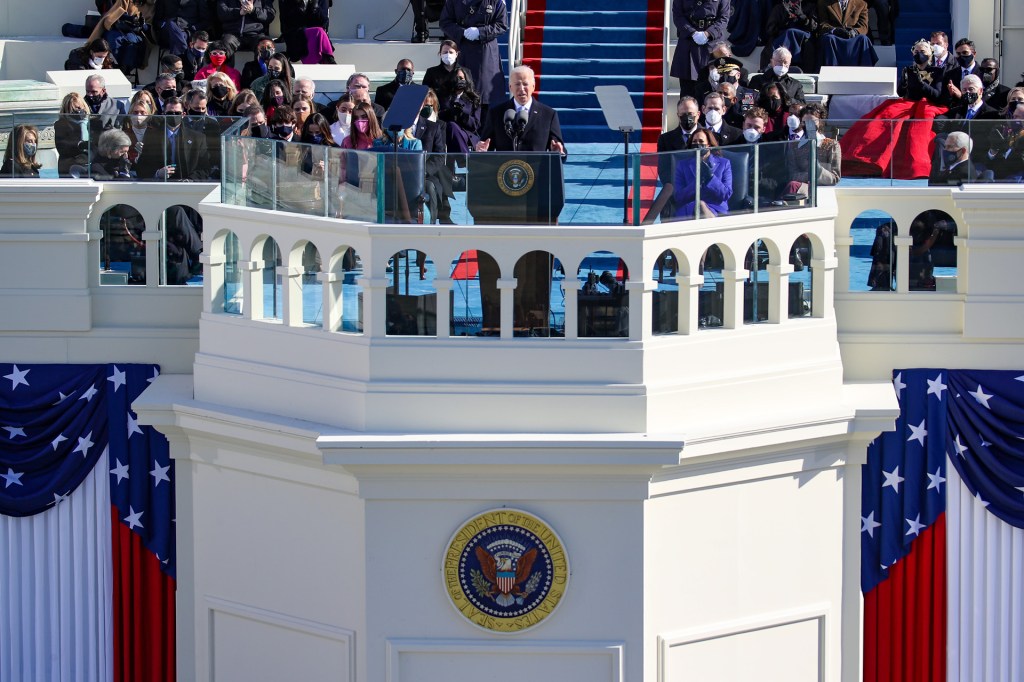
x,y
974,420
57,422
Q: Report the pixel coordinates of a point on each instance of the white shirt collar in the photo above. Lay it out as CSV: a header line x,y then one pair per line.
x,y
526,106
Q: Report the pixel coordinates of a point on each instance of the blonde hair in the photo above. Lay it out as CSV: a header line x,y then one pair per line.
x,y
223,79
146,99
71,101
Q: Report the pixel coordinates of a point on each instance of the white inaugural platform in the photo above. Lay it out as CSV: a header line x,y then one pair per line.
x,y
74,81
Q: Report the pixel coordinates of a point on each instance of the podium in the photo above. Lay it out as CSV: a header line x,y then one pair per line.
x,y
515,187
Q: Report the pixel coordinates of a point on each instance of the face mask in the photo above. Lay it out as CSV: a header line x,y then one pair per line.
x,y
78,115
197,52
139,120
404,77
793,122
730,78
197,114
96,62
449,58
426,111
780,71
278,99
688,121
713,117
29,148
345,119
173,119
259,130
713,75
219,91
461,84
317,139
362,125
1011,107
988,78
774,103
921,58
266,54
970,97
169,93
751,135
965,60
949,158
283,131
178,75
701,147
218,59
93,100
274,73
938,51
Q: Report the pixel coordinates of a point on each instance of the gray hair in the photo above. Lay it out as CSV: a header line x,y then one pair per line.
x,y
523,69
961,140
355,76
922,43
782,53
111,140
716,45
971,80
304,80
166,78
96,78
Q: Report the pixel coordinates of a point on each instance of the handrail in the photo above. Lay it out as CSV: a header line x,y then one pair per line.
x,y
517,25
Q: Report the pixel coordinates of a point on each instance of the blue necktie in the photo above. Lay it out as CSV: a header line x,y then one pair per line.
x,y
970,114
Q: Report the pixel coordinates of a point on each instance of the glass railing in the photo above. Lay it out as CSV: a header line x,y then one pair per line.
x,y
909,152
519,188
113,147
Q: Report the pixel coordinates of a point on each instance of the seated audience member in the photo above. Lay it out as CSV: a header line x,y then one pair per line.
x,y
20,157
242,101
304,25
165,86
714,110
433,133
970,107
317,133
261,56
365,128
768,171
183,242
359,171
954,166
302,107
306,87
343,118
146,98
218,56
198,120
941,57
194,57
110,161
169,66
95,55
245,21
964,66
279,68
675,140
282,125
124,26
441,77
72,147
105,110
778,73
1005,158
792,24
385,94
798,154
275,96
358,85
776,102
461,111
791,128
842,31
220,92
172,151
718,70
737,105
995,92
176,20
136,123
708,174
921,80
257,126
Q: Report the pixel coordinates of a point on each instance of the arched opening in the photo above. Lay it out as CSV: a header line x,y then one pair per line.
x,y
933,253
539,304
268,257
711,299
411,297
122,249
665,301
801,280
345,294
873,252
312,292
182,245
602,300
468,314
233,291
757,284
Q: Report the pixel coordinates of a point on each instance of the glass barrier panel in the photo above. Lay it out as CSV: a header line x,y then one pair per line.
x,y
71,145
122,249
711,297
272,283
602,302
355,189
312,290
232,276
665,303
181,246
411,296
873,252
469,316
539,297
299,175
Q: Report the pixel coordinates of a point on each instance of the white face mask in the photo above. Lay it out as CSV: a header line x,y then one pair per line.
x,y
938,51
793,122
95,62
751,135
449,58
139,120
345,120
713,75
713,117
780,71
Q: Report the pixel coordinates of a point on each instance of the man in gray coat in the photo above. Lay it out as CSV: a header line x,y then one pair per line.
x,y
698,23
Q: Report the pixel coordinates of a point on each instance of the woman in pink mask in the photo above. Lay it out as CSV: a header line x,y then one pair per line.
x,y
217,53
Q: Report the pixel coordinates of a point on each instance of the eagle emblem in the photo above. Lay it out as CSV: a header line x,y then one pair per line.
x,y
501,577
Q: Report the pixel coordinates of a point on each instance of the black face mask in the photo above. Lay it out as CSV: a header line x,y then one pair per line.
x,y
1011,107
173,119
169,93
316,139
200,114
78,115
404,77
989,77
425,112
970,97
460,84
274,73
774,103
689,121
219,91
266,54
920,58
965,60
283,131
94,100
259,130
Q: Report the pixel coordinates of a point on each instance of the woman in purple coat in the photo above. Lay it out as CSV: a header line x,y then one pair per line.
x,y
474,25
712,172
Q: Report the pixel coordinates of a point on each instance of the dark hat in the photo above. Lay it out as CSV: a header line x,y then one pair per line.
x,y
725,64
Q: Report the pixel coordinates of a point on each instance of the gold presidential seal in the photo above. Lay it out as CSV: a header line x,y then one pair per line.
x,y
515,178
505,570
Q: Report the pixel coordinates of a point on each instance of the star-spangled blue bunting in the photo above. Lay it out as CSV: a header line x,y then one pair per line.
x,y
56,421
975,418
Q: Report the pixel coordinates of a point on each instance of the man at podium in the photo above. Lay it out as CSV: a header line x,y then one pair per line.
x,y
531,127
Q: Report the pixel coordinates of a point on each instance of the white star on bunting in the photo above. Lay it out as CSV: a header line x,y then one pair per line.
x,y
898,384
14,431
918,432
915,525
87,396
160,474
117,378
133,426
57,441
935,480
17,377
959,447
12,478
868,524
84,444
980,396
121,470
133,518
893,479
936,387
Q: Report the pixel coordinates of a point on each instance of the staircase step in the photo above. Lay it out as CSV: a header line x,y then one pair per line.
x,y
571,83
595,6
573,19
605,67
621,36
591,50
593,133
583,116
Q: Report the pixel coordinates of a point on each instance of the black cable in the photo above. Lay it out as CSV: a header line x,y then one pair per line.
x,y
377,37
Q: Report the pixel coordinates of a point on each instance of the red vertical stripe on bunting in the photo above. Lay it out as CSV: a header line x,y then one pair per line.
x,y
143,611
533,37
654,72
905,616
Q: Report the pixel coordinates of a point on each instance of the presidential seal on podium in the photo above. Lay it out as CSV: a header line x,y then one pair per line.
x,y
505,570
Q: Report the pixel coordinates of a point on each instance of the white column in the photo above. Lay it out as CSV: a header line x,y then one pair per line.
x,y
778,292
641,309
732,307
291,291
571,288
152,239
332,299
822,279
689,302
843,245
213,281
903,244
252,289
375,306
443,287
506,289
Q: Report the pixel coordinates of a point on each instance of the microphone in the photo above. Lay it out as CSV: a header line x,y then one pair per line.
x,y
510,116
521,119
